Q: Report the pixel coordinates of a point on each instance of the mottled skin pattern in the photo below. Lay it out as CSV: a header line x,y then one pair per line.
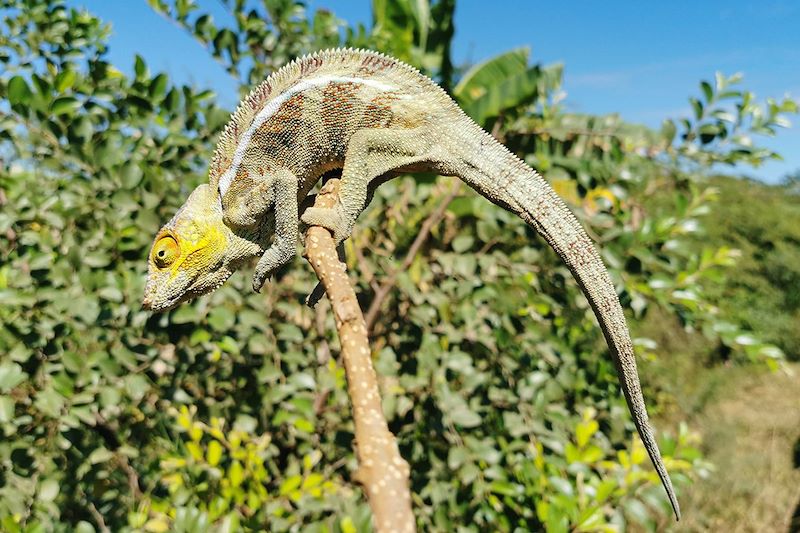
x,y
371,116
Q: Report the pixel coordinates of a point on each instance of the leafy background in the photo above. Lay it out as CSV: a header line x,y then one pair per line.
x,y
230,414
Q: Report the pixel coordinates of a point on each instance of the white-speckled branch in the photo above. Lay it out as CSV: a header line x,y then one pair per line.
x,y
382,471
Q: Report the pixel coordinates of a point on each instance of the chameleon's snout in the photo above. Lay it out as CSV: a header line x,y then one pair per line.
x,y
165,290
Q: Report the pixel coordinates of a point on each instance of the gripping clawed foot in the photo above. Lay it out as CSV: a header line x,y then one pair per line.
x,y
331,219
279,254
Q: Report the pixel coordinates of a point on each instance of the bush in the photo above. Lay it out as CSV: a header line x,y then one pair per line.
x,y
229,413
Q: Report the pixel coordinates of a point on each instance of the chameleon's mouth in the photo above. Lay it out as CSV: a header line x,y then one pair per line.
x,y
159,303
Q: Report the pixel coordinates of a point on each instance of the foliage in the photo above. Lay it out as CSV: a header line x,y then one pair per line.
x,y
229,413
763,292
725,119
257,39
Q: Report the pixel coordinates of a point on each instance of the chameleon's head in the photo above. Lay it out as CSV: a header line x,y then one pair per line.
x,y
194,253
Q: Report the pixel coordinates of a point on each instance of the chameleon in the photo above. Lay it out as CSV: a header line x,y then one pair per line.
x,y
371,117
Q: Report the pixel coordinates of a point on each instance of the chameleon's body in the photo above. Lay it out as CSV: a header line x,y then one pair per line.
x,y
371,116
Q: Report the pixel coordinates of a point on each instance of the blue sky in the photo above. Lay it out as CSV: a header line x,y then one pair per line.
x,y
640,59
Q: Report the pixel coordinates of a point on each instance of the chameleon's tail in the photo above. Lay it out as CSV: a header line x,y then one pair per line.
x,y
497,174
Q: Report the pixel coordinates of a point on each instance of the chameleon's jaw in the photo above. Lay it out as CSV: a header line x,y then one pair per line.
x,y
160,296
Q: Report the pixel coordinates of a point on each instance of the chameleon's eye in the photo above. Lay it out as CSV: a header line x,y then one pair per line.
x,y
166,251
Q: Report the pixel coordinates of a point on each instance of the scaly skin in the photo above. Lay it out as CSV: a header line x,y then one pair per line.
x,y
371,116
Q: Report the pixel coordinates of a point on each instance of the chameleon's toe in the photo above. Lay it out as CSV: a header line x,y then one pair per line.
x,y
330,219
258,281
320,216
262,273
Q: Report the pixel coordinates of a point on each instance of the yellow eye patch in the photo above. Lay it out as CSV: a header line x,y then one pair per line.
x,y
166,251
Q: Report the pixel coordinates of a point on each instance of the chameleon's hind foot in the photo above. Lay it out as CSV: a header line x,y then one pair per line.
x,y
331,219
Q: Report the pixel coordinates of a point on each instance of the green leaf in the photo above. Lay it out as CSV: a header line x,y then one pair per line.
x,y
708,92
111,294
236,474
605,489
48,490
668,131
11,375
139,67
130,175
172,100
195,451
562,485
510,92
214,453
290,484
228,344
584,431
18,91
65,80
185,314
480,78
698,108
720,81
462,243
422,15
304,425
158,86
100,455
6,409
84,527
465,417
64,105
506,488
347,525
221,319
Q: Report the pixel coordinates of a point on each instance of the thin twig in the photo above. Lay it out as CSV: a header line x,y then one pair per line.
x,y
382,471
425,230
133,476
383,291
98,518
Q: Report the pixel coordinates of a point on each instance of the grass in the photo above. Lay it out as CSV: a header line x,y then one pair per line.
x,y
748,417
751,429
749,421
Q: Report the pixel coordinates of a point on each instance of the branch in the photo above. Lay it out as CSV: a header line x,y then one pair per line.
x,y
98,518
382,471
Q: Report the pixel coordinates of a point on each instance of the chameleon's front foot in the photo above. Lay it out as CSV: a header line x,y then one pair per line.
x,y
275,257
259,278
332,219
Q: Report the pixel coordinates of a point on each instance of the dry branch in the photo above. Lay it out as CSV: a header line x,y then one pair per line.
x,y
382,471
383,290
425,231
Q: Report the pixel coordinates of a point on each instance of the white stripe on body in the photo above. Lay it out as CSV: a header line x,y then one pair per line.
x,y
272,107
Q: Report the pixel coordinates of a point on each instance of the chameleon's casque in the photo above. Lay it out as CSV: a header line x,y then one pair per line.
x,y
371,116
